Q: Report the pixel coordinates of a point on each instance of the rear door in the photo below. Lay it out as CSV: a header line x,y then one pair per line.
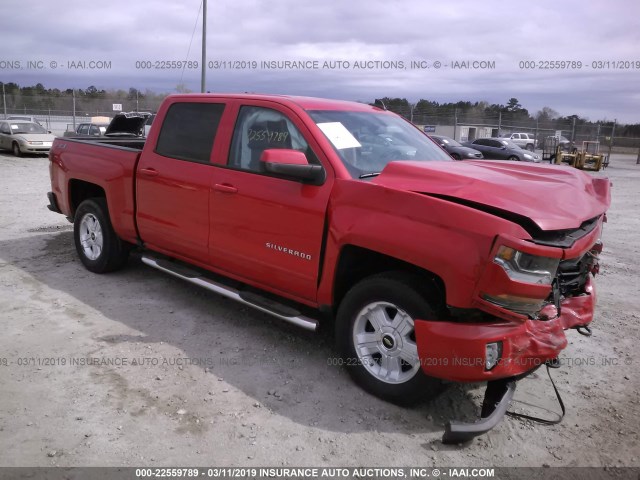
x,y
495,149
174,176
266,229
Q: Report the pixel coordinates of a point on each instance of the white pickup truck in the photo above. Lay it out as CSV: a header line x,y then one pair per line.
x,y
523,140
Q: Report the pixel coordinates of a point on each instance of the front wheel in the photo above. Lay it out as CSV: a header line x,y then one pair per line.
x,y
16,149
375,335
513,158
98,246
455,156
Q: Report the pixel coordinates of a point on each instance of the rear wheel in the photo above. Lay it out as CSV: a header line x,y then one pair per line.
x,y
375,335
529,147
99,248
16,149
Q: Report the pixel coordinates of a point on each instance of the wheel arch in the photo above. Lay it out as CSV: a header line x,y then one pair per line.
x,y
81,190
356,263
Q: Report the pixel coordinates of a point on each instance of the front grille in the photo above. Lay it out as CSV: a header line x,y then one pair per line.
x,y
563,238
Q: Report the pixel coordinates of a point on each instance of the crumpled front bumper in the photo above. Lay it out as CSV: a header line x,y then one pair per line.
x,y
456,351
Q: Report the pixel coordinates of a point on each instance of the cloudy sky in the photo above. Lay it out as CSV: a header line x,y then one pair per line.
x,y
368,47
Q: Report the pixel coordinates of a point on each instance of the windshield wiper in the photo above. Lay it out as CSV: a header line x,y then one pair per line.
x,y
369,175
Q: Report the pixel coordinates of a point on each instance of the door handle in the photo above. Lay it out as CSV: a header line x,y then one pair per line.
x,y
149,172
225,188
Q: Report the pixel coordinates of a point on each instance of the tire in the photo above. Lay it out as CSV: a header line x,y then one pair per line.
x,y
386,296
455,156
513,158
529,147
16,149
99,248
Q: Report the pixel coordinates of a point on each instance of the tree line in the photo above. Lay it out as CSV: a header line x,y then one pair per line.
x,y
39,100
511,112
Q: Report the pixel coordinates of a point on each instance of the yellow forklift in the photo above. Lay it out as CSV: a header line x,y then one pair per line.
x,y
588,158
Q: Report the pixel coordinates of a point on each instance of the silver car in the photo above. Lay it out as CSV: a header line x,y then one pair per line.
x,y
24,137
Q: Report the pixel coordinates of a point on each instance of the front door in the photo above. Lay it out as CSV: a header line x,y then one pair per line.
x,y
267,229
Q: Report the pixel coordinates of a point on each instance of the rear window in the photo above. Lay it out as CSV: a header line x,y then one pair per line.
x,y
189,130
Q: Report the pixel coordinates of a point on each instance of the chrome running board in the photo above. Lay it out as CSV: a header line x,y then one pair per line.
x,y
283,312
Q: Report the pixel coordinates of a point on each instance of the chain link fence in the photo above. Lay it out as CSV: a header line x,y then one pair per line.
x,y
62,112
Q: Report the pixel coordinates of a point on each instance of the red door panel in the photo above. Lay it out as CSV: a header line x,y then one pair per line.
x,y
173,205
268,230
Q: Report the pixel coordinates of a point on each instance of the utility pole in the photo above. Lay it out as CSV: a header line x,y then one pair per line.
x,y
455,123
499,124
613,131
137,108
73,95
204,46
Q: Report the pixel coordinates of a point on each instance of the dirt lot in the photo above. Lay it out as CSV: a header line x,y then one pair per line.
x,y
138,368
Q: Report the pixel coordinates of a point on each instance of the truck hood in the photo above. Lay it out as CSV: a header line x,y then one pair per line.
x,y
553,197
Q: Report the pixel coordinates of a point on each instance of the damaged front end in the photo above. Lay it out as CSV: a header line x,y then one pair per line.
x,y
528,295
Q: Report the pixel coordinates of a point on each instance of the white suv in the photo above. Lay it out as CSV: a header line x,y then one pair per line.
x,y
523,140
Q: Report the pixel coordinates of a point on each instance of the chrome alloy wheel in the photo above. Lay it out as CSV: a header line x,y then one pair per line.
x,y
384,339
91,236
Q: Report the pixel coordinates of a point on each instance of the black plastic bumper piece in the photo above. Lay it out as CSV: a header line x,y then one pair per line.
x,y
497,398
53,203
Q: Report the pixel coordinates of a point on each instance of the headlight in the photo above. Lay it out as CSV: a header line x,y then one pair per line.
x,y
524,267
471,154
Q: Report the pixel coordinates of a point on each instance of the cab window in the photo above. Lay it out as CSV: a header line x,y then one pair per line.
x,y
258,129
188,131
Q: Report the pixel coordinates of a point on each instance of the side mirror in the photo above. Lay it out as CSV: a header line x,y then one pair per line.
x,y
292,163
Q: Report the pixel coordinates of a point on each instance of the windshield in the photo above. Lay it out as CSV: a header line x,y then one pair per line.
x,y
366,141
27,128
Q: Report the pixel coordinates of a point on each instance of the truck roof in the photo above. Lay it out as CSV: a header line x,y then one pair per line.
x,y
306,103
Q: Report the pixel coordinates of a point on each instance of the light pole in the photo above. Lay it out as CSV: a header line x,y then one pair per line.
x,y
204,46
4,102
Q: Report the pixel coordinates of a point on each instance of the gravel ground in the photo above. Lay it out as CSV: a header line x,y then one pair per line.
x,y
137,368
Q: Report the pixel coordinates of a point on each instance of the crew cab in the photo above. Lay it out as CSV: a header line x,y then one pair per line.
x,y
319,211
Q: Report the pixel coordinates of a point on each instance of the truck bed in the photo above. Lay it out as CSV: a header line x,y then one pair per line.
x,y
106,162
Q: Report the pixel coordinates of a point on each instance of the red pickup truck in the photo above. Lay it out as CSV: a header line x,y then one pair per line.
x,y
329,212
